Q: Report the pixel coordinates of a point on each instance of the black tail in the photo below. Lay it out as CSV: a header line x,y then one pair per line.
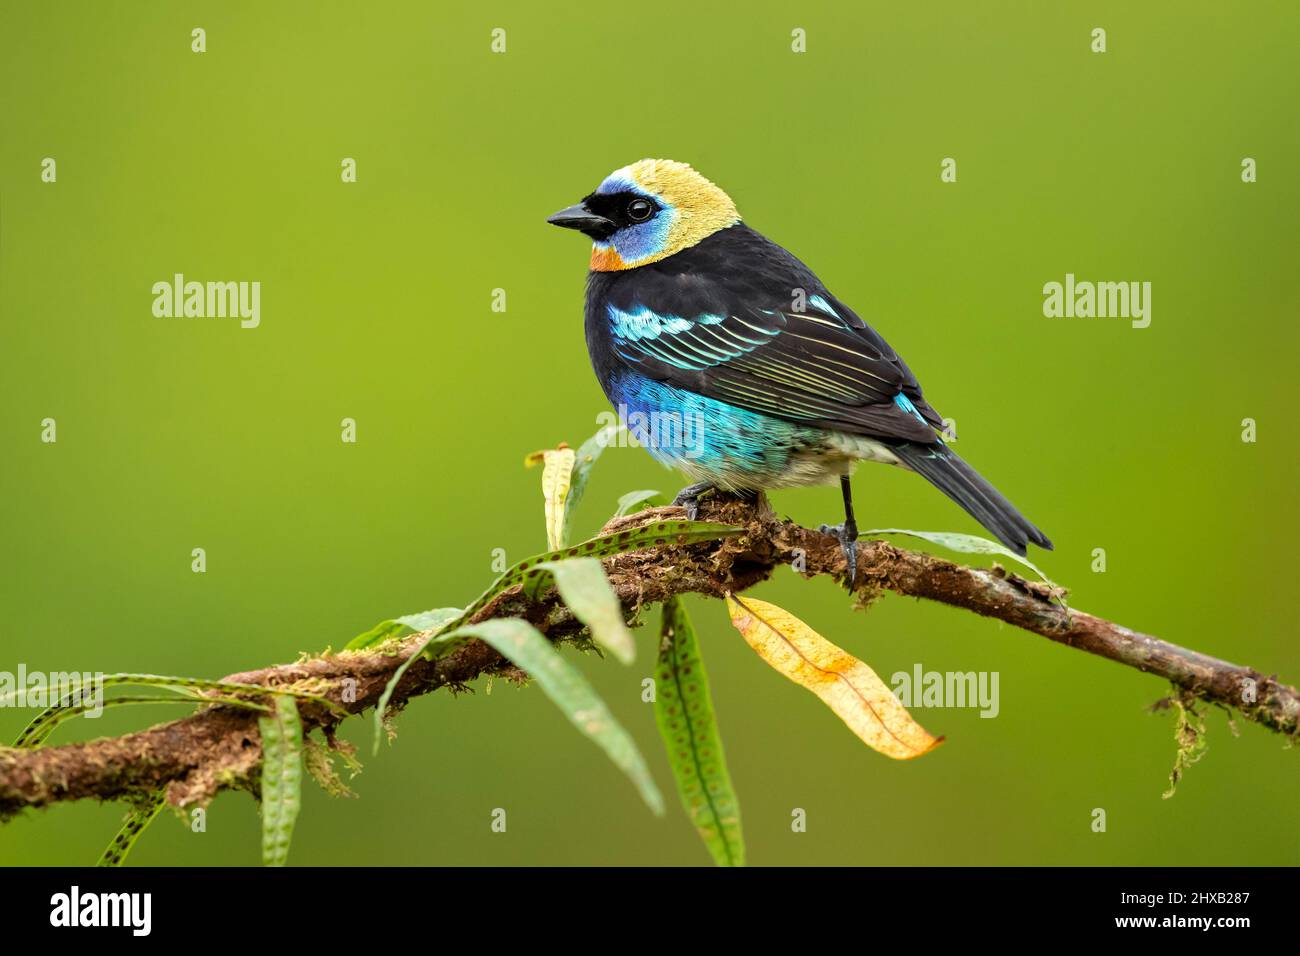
x,y
963,484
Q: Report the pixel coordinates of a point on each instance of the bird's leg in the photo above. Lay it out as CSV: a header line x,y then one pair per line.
x,y
847,533
689,498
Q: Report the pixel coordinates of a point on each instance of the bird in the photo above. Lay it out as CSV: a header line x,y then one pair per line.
x,y
733,363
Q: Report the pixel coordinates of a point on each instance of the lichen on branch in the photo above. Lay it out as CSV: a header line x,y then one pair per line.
x,y
219,747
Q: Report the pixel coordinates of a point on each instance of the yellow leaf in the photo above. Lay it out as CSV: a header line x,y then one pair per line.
x,y
845,684
557,477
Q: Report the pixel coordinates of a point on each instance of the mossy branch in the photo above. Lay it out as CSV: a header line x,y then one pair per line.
x,y
219,747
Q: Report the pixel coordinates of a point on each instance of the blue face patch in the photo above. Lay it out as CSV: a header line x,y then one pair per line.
x,y
614,183
640,240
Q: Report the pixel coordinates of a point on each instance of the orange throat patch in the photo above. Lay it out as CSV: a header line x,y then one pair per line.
x,y
606,259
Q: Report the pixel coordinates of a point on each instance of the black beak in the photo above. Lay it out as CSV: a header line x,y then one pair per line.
x,y
581,218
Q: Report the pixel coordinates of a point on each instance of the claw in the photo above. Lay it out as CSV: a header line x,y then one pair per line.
x,y
847,535
688,499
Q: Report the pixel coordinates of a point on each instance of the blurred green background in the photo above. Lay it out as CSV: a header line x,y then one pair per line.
x,y
182,433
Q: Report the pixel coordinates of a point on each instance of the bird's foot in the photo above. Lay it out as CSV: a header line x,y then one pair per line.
x,y
847,535
688,499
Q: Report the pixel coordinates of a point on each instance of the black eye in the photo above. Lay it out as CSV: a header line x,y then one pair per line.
x,y
639,210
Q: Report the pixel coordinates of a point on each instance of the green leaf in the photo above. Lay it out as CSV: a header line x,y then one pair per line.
x,y
136,821
965,543
585,458
397,627
684,713
526,572
43,724
585,589
636,539
281,778
629,501
383,631
430,620
525,646
436,622
557,478
181,685
565,473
